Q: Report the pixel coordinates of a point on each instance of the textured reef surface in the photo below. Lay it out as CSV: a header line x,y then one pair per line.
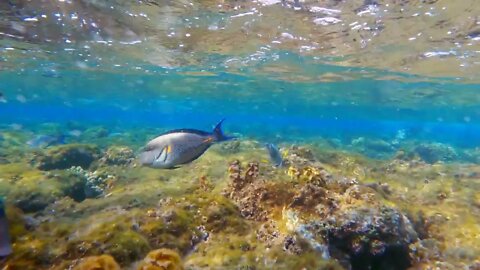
x,y
88,205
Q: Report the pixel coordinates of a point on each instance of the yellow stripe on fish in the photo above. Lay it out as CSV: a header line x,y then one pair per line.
x,y
207,140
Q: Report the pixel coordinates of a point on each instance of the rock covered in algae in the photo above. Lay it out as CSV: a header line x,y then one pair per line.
x,y
66,156
118,156
435,152
116,238
354,227
102,262
33,190
96,132
376,148
338,218
95,183
161,259
253,195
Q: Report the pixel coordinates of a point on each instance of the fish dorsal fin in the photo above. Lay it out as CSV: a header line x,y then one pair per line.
x,y
186,130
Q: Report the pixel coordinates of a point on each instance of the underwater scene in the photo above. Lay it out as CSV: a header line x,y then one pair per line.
x,y
239,134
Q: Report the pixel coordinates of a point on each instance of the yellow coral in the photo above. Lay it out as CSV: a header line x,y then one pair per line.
x,y
103,262
161,259
310,172
293,172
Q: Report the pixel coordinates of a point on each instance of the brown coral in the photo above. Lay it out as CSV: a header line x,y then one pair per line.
x,y
309,196
252,195
161,259
103,262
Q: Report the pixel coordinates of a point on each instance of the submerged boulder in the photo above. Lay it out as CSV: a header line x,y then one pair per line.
x,y
364,237
67,156
355,227
34,192
115,238
338,219
435,152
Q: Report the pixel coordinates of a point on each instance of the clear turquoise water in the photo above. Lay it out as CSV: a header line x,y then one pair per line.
x,y
382,105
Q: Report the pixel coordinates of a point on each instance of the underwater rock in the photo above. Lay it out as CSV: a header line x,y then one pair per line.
x,y
229,147
309,174
239,181
337,217
270,234
96,133
302,152
32,194
362,237
161,259
114,238
435,152
222,215
32,200
425,251
102,262
95,183
173,226
117,155
67,156
309,196
472,155
298,156
373,147
253,196
381,188
71,185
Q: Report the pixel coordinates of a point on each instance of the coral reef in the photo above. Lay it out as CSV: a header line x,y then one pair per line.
x,y
325,210
66,156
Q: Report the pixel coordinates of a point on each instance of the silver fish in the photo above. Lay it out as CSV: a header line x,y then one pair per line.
x,y
275,156
42,141
179,146
5,245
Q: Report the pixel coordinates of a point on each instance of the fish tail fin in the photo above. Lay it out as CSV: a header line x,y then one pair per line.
x,y
218,133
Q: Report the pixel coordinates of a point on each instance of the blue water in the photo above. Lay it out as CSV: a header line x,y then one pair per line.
x,y
259,106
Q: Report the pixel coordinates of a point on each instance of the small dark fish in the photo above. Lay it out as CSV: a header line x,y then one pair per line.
x,y
5,245
180,146
2,98
42,141
275,156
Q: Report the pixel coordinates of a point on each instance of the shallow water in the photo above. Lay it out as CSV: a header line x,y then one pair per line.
x,y
374,106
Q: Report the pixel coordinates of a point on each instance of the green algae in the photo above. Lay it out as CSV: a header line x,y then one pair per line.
x,y
66,156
